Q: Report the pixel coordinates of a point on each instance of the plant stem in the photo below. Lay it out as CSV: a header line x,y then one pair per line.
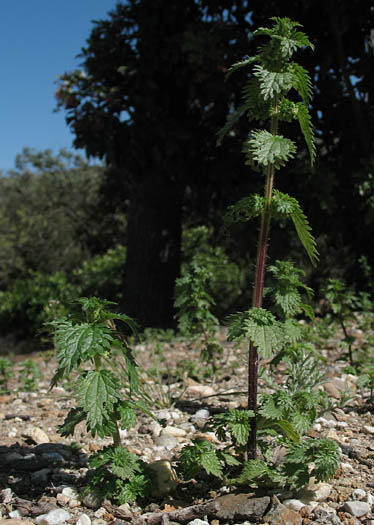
x,y
258,288
116,438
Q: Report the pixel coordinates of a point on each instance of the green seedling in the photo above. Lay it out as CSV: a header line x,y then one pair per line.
x,y
29,375
193,304
92,344
6,373
366,381
343,303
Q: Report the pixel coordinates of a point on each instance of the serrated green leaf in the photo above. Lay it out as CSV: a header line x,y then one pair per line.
x,y
273,82
127,415
211,463
201,454
229,459
261,327
238,65
253,469
306,127
74,417
301,82
77,342
245,209
137,487
97,393
285,206
265,148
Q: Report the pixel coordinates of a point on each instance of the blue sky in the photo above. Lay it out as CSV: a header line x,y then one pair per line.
x,y
39,39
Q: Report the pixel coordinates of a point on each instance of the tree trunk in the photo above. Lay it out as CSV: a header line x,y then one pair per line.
x,y
153,252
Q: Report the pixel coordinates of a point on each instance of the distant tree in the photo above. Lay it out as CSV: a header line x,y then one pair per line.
x,y
50,214
149,100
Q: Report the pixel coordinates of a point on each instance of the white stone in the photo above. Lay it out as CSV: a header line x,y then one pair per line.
x,y
358,494
70,492
317,427
199,391
357,508
174,431
294,504
155,428
83,520
197,521
369,498
37,435
6,496
346,467
15,514
202,413
368,429
341,424
54,517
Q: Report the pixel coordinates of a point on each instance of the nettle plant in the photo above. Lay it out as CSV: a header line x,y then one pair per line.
x,y
108,393
278,422
195,318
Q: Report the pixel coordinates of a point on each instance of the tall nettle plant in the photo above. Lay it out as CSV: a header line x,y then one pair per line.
x,y
268,95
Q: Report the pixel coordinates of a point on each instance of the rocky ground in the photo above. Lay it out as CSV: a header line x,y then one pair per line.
x,y
41,473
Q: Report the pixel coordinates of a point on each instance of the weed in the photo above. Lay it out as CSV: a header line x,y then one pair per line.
x,y
29,375
6,373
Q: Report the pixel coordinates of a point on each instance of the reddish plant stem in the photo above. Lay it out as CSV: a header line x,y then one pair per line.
x,y
258,290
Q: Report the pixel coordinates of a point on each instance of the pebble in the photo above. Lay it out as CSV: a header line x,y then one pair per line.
x,y
198,522
83,520
37,435
174,431
54,517
167,441
368,429
358,494
92,500
357,508
15,514
6,496
202,413
70,492
199,391
294,504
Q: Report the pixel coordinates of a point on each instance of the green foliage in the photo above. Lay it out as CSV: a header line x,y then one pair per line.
x,y
366,380
118,475
286,294
295,471
264,148
29,375
29,303
226,278
193,304
92,338
199,455
6,373
234,425
342,302
259,326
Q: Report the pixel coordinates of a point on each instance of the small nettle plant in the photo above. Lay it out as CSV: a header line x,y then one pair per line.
x,y
277,420
91,344
29,375
6,373
193,304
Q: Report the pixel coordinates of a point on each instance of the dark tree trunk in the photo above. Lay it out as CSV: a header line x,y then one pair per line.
x,y
153,252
